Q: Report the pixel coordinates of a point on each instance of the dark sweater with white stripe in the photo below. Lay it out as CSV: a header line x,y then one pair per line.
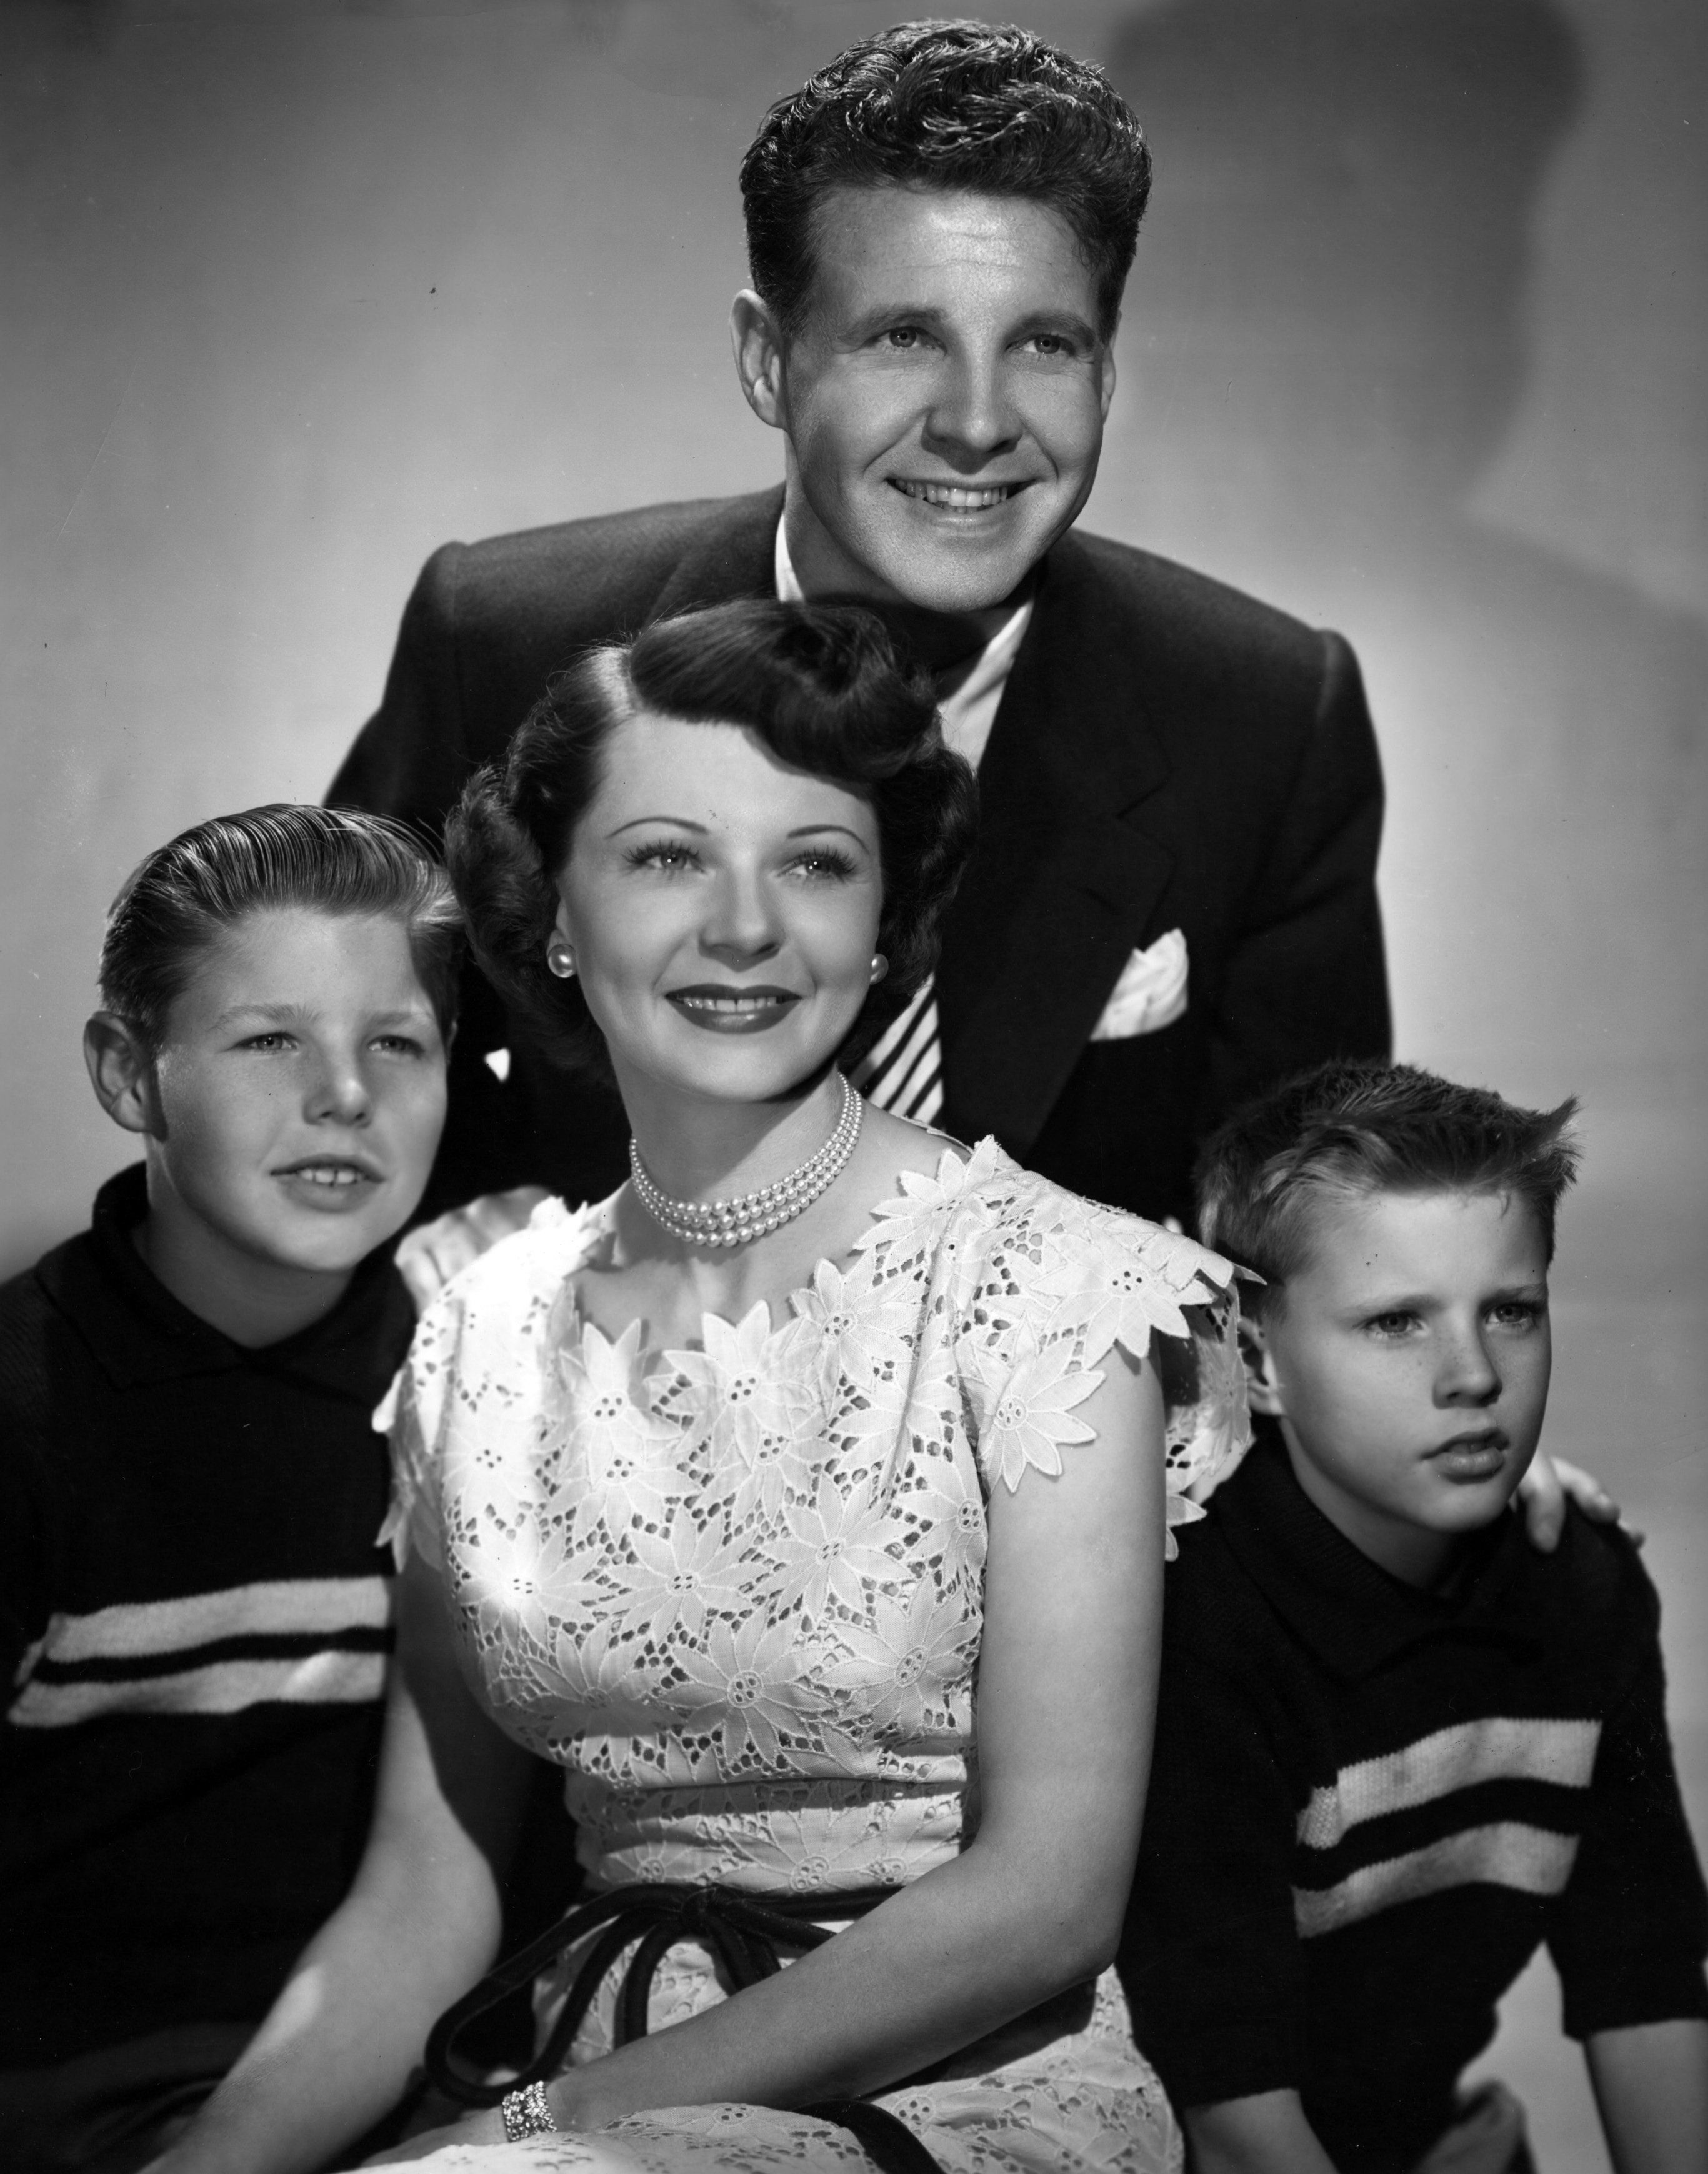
x,y
1369,1805
194,1619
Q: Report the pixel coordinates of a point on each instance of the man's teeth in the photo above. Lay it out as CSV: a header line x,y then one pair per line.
x,y
327,1173
959,498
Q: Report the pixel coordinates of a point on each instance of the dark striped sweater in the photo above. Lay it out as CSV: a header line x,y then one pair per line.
x,y
194,1620
1369,1805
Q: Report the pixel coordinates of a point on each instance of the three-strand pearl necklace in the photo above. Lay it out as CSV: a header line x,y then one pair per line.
x,y
751,1215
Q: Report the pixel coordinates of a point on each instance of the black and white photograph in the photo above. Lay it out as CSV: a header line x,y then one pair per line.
x,y
853,1286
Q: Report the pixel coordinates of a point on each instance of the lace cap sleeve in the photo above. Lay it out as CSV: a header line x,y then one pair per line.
x,y
472,1330
1048,1286
412,1413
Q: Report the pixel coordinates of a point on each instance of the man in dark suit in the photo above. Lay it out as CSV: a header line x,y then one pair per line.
x,y
1173,898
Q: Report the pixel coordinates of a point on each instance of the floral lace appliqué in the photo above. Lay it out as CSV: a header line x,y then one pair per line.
x,y
756,1566
735,1590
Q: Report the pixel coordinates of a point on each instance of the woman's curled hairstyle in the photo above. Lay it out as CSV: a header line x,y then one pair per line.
x,y
822,687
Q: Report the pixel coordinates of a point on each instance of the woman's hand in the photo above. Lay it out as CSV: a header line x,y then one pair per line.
x,y
427,1257
1542,1493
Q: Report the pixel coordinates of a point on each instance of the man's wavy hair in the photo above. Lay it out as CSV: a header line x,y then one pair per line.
x,y
942,104
1349,1129
178,903
822,687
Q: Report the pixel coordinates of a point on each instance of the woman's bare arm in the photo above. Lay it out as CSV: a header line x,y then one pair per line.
x,y
419,1925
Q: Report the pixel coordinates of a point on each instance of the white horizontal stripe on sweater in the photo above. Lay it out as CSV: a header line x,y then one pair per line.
x,y
1498,1749
223,1687
292,1606
1506,1854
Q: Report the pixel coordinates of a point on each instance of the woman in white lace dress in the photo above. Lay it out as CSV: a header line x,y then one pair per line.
x,y
824,1558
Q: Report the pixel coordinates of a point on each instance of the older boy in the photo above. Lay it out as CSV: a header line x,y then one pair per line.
x,y
1397,1748
194,1615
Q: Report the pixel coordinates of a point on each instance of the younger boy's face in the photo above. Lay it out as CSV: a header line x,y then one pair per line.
x,y
1408,1363
301,1093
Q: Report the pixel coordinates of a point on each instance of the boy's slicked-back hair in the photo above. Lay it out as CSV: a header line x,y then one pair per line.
x,y
210,878
941,104
1352,1129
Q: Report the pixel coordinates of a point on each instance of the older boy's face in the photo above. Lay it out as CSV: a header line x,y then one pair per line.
x,y
302,1090
944,401
1409,1363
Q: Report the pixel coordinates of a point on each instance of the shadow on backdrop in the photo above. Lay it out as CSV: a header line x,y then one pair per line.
x,y
1355,181
1333,294
1336,274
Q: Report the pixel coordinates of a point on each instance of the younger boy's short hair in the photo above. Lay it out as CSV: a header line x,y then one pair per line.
x,y
1348,1129
979,106
189,893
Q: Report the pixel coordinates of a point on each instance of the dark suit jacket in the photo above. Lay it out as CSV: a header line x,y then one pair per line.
x,y
1168,754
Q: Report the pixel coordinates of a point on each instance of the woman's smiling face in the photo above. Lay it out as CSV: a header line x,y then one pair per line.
x,y
723,909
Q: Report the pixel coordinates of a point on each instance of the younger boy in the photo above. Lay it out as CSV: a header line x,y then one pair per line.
x,y
1397,1748
194,1615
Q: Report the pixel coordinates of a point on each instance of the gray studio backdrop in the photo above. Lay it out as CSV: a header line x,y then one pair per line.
x,y
294,290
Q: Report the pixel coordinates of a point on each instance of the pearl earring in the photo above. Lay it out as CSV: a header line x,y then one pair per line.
x,y
561,960
880,966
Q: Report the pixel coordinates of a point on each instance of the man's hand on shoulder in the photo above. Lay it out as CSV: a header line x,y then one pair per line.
x,y
429,1257
1544,1492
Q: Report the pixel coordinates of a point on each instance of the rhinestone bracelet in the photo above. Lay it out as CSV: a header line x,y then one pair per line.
x,y
527,2113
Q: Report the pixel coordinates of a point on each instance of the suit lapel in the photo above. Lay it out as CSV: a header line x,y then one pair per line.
x,y
1063,881
733,555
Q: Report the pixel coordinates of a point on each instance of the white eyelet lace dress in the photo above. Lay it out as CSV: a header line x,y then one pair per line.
x,y
735,1592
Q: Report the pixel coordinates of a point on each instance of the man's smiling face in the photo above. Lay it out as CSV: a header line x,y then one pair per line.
x,y
944,399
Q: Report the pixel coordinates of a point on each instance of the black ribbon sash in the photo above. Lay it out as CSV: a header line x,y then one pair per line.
x,y
743,1932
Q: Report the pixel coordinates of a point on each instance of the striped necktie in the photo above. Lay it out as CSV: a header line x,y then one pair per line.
x,y
903,1070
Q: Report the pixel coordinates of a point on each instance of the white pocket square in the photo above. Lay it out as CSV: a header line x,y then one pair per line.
x,y
1151,993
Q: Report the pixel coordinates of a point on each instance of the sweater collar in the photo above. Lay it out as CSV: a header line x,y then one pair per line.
x,y
139,1333
1353,1614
